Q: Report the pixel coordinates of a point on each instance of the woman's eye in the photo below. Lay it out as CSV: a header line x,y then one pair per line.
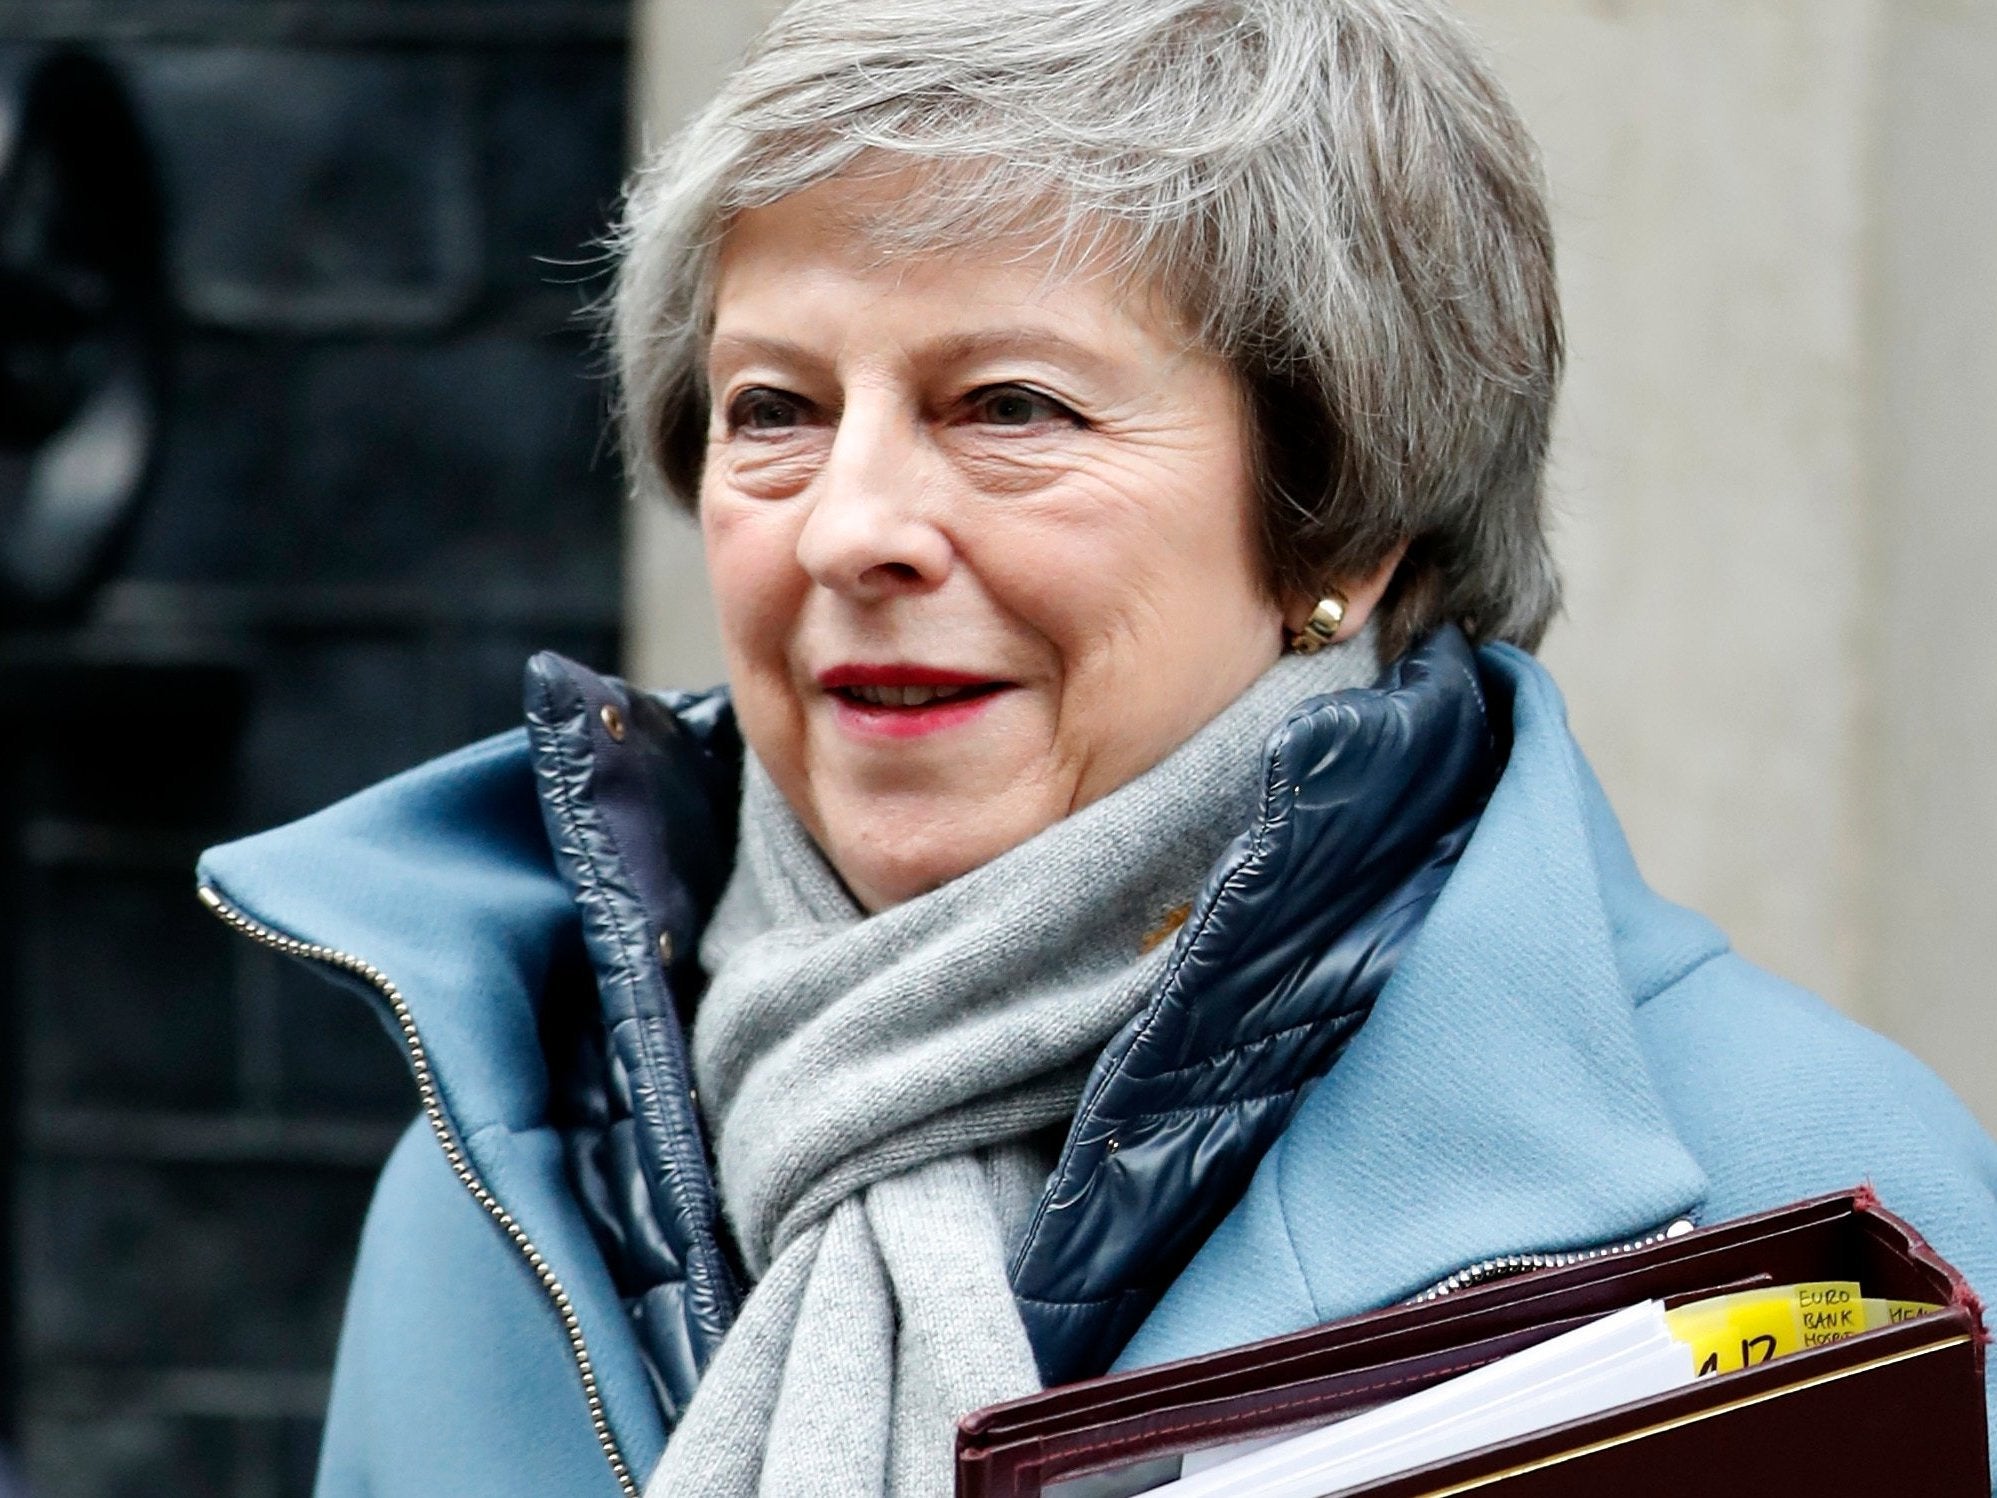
x,y
1016,406
760,410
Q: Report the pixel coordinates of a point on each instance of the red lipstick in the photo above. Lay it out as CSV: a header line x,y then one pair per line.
x,y
898,676
870,700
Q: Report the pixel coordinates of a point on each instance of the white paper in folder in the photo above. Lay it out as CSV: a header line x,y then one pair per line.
x,y
1621,1358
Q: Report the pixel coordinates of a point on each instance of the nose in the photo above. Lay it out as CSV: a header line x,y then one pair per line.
x,y
871,533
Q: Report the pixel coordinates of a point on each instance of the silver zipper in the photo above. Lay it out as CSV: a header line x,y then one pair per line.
x,y
1487,1270
447,1137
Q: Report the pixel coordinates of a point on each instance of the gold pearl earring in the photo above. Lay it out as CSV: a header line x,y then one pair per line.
x,y
1322,627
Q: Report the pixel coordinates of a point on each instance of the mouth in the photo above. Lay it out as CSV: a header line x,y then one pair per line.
x,y
905,701
908,697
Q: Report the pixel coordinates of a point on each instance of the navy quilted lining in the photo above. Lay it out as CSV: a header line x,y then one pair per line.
x,y
638,798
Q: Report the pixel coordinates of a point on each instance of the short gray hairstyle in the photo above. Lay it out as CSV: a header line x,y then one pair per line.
x,y
1335,194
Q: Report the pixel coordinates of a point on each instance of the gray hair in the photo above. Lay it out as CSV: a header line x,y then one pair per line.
x,y
1335,193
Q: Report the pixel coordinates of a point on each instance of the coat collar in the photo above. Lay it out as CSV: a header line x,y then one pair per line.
x,y
1368,798
433,894
439,880
1497,1101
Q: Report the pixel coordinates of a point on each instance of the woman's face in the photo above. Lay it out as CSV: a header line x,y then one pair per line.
x,y
982,537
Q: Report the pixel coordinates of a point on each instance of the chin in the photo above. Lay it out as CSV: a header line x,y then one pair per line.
x,y
890,847
889,882
881,876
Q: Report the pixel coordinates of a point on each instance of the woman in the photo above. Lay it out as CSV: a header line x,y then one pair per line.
x,y
1137,893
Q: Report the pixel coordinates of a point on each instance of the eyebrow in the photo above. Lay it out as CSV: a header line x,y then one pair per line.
x,y
953,348
747,347
965,348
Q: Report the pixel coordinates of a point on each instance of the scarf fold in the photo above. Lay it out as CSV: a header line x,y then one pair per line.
x,y
881,1091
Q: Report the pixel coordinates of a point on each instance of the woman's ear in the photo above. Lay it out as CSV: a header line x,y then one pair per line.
x,y
1362,597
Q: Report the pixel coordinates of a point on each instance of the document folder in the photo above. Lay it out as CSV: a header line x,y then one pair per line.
x,y
1897,1410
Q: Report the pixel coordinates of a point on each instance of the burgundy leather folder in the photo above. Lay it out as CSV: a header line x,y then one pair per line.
x,y
1899,1410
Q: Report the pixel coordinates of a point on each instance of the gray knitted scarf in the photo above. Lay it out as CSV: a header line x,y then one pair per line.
x,y
882,1088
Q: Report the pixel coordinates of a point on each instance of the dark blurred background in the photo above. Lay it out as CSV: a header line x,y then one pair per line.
x,y
347,474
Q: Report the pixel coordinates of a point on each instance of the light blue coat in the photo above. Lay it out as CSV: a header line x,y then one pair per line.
x,y
1567,1060
1563,1061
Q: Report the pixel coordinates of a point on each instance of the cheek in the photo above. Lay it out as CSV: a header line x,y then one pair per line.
x,y
758,595
752,568
1144,548
759,591
1142,570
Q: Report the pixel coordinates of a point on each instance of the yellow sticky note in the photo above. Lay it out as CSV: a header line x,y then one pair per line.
x,y
1752,1327
1880,1313
1731,1332
1830,1311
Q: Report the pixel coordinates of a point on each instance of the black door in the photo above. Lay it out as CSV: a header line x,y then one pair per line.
x,y
380,483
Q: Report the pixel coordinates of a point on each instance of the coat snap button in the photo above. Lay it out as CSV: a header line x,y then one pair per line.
x,y
665,949
613,721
